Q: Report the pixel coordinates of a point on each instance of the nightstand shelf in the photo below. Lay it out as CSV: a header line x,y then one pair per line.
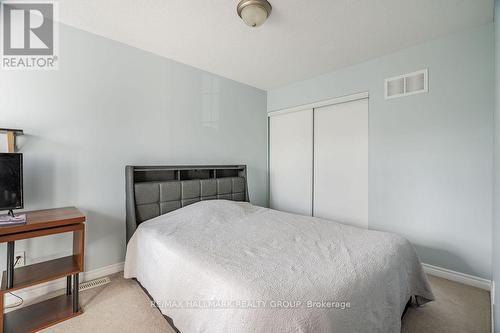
x,y
27,276
40,315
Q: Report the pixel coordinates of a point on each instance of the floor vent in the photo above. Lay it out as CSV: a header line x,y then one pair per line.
x,y
94,283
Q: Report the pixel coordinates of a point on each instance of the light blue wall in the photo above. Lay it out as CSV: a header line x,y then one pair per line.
x,y
110,105
496,202
431,155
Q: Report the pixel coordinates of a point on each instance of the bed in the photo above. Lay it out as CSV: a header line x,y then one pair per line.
x,y
212,262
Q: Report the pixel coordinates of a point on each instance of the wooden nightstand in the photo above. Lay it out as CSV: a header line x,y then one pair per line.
x,y
52,311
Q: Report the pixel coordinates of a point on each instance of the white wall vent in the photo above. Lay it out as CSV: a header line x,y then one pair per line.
x,y
407,84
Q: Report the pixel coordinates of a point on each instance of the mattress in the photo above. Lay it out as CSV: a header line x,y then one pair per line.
x,y
225,266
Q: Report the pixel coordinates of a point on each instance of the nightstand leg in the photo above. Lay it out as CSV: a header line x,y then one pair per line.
x,y
75,293
68,285
10,264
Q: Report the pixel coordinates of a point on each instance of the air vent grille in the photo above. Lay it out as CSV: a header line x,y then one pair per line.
x,y
94,283
407,84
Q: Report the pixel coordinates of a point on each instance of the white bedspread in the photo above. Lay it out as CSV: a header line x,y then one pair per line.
x,y
222,266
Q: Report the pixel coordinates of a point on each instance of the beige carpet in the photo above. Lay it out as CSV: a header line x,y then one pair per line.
x,y
122,306
457,308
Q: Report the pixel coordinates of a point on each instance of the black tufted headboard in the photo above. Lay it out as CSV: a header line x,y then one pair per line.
x,y
155,190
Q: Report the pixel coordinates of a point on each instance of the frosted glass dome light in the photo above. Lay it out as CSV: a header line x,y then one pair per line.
x,y
254,12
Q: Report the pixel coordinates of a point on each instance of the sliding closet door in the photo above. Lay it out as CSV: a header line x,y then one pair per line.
x,y
341,162
290,161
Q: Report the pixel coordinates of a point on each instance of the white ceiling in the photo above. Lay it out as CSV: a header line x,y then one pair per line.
x,y
301,39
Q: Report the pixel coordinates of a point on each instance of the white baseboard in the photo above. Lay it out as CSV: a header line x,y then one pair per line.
x,y
467,279
31,293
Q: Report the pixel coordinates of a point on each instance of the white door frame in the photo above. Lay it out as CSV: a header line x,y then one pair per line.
x,y
315,105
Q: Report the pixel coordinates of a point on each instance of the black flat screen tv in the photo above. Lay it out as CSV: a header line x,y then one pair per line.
x,y
11,181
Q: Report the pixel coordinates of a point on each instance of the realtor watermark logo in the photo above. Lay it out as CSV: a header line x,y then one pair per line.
x,y
30,38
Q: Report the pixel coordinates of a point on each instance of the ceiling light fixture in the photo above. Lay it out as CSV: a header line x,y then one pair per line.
x,y
254,12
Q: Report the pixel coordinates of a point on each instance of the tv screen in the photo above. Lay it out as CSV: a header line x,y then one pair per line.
x,y
11,181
